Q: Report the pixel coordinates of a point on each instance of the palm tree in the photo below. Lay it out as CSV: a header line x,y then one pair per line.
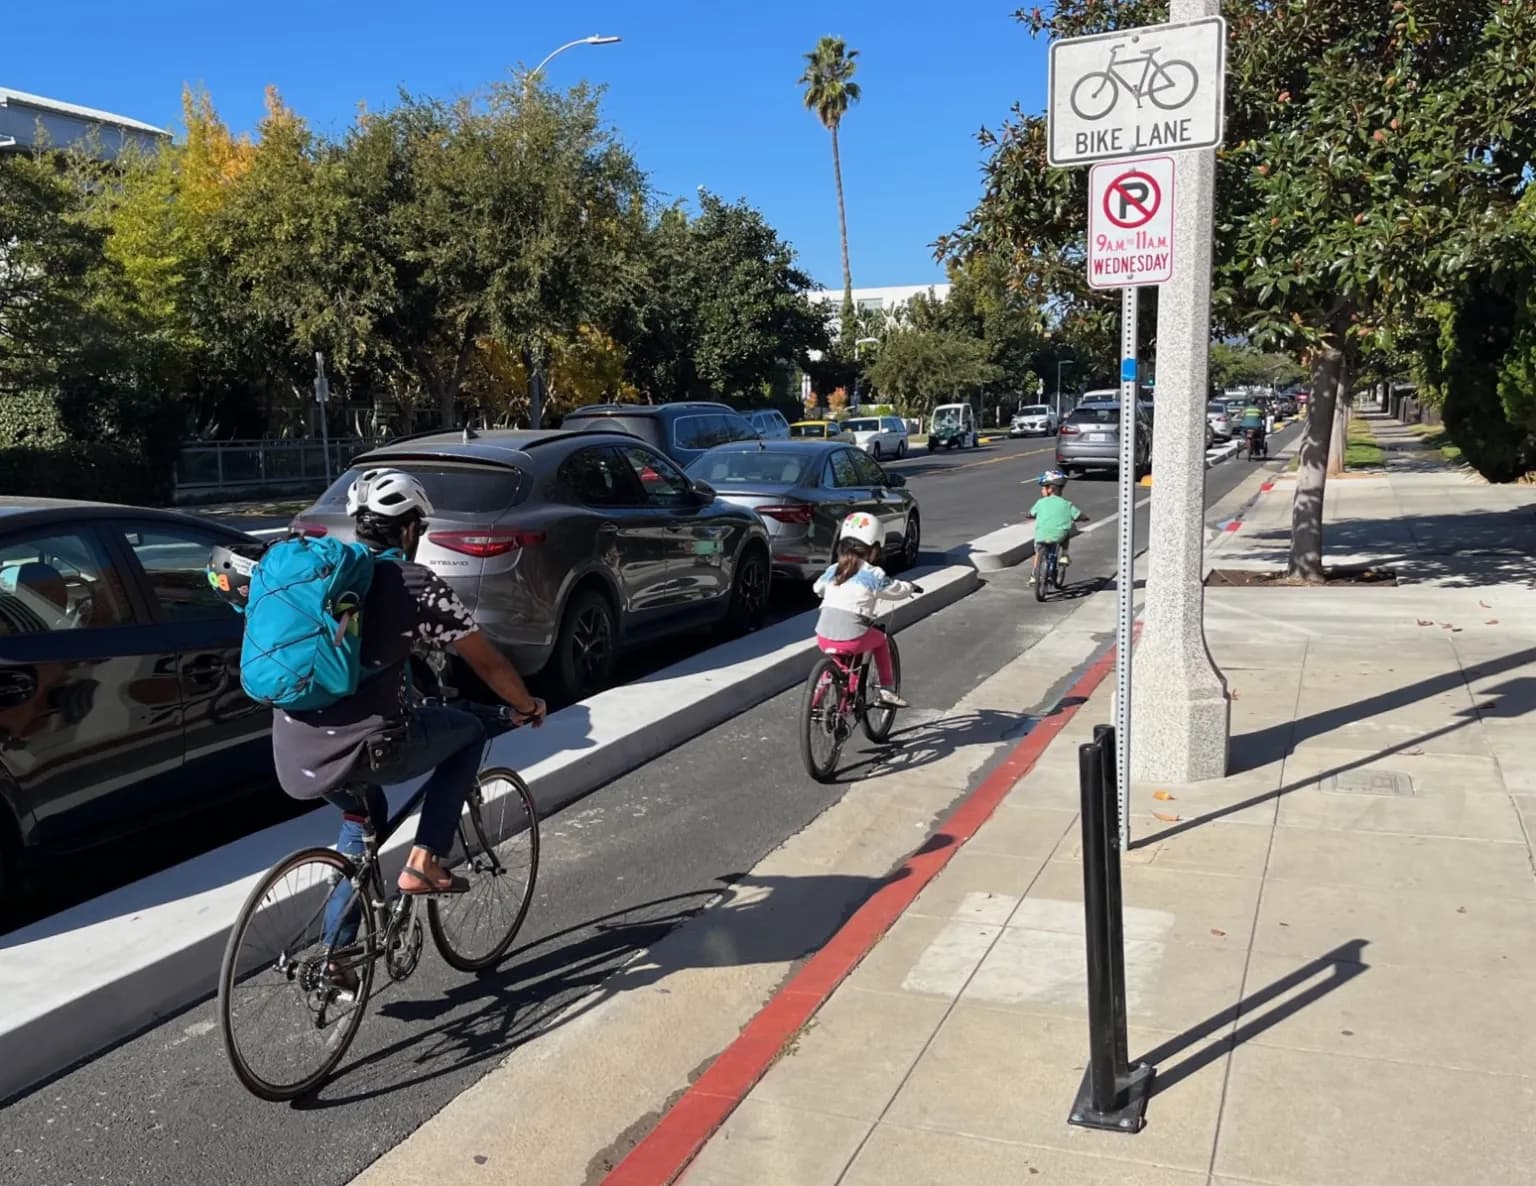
x,y
829,89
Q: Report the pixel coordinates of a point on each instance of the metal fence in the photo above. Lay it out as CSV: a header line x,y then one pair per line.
x,y
253,466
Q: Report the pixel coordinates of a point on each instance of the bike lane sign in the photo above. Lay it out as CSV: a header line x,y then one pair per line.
x,y
1130,223
1156,88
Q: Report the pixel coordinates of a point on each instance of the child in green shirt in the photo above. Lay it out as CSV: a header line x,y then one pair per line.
x,y
1054,518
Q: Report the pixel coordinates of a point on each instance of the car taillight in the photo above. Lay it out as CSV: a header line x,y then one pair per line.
x,y
493,541
1068,430
305,527
791,512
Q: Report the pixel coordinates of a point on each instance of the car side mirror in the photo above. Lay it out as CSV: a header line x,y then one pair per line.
x,y
703,491
896,481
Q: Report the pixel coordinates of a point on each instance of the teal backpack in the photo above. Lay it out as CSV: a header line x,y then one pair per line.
x,y
303,622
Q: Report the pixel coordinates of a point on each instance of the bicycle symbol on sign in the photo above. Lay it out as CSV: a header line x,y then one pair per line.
x,y
1169,84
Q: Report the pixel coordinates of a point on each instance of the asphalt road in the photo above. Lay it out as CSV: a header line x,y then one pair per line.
x,y
621,867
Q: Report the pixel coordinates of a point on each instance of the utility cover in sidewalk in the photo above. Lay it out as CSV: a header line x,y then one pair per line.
x,y
1368,782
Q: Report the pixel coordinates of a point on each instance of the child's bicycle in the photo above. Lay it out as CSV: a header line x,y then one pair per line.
x,y
1048,575
837,696
290,1005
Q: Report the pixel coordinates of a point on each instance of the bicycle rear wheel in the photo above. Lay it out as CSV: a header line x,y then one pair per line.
x,y
823,728
877,720
1043,574
497,851
286,1018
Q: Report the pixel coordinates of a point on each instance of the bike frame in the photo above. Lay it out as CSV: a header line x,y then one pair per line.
x,y
1147,61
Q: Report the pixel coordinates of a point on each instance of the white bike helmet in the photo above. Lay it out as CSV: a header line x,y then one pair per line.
x,y
388,492
861,526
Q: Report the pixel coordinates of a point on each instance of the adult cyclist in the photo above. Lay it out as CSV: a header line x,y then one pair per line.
x,y
379,736
1252,424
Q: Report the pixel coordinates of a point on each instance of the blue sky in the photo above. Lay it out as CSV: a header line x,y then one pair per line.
x,y
704,93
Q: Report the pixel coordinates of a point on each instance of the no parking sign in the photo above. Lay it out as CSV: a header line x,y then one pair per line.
x,y
1130,223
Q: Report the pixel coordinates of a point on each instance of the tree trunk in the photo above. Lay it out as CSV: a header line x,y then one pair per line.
x,y
1312,474
535,373
842,227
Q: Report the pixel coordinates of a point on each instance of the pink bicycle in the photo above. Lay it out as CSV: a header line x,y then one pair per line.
x,y
838,696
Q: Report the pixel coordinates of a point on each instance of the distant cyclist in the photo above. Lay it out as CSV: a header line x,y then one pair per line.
x,y
851,591
1054,519
1252,424
378,736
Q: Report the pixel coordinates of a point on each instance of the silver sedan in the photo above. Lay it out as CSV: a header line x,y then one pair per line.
x,y
803,490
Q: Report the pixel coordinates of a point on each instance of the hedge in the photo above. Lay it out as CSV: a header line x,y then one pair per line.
x,y
92,470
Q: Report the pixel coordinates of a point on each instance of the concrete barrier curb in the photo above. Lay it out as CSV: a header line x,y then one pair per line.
x,y
79,981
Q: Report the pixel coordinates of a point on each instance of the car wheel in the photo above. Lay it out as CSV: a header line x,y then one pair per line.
x,y
586,647
912,542
749,591
875,452
901,450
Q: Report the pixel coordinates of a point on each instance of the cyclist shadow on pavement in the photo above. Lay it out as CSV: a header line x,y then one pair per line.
x,y
924,743
572,973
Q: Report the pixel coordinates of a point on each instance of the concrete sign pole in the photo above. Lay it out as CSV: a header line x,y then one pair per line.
x,y
1183,721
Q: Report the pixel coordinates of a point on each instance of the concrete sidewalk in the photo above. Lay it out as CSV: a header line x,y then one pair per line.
x,y
1330,953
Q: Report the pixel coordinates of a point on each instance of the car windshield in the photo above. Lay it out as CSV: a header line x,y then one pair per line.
x,y
1219,409
727,468
454,489
1034,410
947,420
807,430
862,425
1099,414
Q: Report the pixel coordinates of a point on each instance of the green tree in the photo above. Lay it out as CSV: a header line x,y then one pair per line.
x,y
1370,149
924,367
829,90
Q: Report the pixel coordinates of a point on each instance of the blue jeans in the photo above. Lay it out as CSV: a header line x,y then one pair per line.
x,y
443,740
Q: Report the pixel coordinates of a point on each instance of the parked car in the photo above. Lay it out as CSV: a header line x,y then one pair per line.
x,y
770,425
1218,419
819,430
1090,440
804,489
879,436
120,700
1033,420
682,431
570,547
953,427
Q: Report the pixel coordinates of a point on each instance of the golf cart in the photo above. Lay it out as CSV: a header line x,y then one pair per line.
x,y
954,427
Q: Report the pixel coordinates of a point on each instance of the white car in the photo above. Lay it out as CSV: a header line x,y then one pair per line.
x,y
1034,420
1217,417
879,436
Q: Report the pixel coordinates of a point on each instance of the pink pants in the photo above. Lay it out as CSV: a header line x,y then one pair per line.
x,y
873,642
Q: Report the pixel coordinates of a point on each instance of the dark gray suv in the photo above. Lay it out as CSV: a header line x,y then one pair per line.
x,y
682,431
570,546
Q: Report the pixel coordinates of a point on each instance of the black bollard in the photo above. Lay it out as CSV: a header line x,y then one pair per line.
x,y
1113,1094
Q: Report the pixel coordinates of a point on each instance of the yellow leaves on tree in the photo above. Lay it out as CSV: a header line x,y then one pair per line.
x,y
585,370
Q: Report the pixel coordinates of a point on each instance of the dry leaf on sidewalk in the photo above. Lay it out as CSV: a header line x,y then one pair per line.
x,y
1167,817
1425,622
1461,910
1163,795
1491,622
1218,934
1485,605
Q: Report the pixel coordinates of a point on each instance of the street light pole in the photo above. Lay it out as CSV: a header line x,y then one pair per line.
x,y
859,342
595,39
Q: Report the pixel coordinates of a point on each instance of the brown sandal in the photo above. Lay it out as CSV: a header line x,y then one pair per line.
x,y
454,884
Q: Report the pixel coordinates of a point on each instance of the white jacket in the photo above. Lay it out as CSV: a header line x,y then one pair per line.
x,y
849,609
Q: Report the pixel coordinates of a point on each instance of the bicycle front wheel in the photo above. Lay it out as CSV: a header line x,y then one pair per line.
x,y
878,720
497,851
289,1006
823,728
1095,95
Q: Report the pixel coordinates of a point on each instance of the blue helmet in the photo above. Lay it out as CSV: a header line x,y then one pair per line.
x,y
1054,477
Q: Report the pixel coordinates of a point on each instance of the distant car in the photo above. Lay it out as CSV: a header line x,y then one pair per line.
x,y
120,699
770,425
804,490
1090,440
879,436
1218,419
953,427
819,430
682,431
568,547
1033,420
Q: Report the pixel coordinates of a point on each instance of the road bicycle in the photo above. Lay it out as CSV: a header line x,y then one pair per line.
x,y
1049,573
836,698
1169,84
290,1003
1258,444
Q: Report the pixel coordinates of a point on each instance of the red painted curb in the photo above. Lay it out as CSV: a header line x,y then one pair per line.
x,y
684,1128
1234,524
1266,488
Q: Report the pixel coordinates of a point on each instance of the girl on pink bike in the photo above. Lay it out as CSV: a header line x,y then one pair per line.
x,y
851,591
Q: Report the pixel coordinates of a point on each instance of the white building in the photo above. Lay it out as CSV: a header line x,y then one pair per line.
x,y
24,116
886,300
